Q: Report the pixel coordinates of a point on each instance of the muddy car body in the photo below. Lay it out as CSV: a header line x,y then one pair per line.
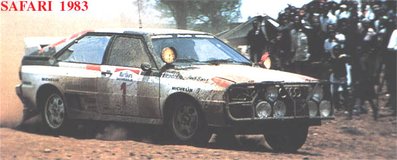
x,y
190,82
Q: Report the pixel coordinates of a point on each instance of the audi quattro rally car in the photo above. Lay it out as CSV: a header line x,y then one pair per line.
x,y
190,82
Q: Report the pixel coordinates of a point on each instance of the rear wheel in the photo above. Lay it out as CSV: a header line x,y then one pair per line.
x,y
187,123
289,140
53,112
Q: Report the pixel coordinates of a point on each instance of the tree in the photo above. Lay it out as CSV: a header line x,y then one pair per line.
x,y
177,9
206,15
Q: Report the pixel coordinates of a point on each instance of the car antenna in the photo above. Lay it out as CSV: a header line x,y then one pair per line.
x,y
139,13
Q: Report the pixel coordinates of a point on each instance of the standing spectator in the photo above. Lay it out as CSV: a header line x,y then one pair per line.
x,y
299,46
316,38
334,38
364,88
343,12
338,66
257,40
283,40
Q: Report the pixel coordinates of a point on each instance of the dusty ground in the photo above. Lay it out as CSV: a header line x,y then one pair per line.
x,y
360,138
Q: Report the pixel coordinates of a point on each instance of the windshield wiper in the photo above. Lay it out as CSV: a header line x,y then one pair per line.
x,y
245,63
186,60
219,61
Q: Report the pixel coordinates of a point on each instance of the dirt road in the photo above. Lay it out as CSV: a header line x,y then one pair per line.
x,y
360,138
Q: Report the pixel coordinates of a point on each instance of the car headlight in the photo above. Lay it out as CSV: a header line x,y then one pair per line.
x,y
241,94
271,93
279,108
325,108
318,94
263,109
313,109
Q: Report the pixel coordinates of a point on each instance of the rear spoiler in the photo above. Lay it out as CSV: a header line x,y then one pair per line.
x,y
50,45
34,44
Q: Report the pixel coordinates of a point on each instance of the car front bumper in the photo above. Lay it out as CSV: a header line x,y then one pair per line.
x,y
241,102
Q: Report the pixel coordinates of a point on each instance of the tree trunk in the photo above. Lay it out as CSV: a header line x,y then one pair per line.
x,y
179,11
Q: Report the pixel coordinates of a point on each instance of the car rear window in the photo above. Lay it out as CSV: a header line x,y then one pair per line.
x,y
89,49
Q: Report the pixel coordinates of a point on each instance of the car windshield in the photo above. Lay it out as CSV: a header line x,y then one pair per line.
x,y
199,50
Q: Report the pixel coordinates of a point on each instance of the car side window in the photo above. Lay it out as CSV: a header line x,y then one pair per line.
x,y
89,49
128,51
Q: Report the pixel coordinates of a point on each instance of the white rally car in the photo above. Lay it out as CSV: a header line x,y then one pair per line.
x,y
190,82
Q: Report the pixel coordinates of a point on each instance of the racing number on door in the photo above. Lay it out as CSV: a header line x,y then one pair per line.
x,y
123,87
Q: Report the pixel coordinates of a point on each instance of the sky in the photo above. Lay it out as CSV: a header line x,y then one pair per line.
x,y
126,12
249,8
269,7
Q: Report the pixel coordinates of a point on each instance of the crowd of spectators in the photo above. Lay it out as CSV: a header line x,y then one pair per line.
x,y
345,42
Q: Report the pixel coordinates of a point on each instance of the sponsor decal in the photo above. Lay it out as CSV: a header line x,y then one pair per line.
x,y
50,79
197,78
184,89
173,75
127,74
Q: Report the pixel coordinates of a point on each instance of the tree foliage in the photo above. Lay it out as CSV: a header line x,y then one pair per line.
x,y
205,15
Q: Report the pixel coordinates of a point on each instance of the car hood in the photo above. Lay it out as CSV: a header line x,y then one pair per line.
x,y
242,74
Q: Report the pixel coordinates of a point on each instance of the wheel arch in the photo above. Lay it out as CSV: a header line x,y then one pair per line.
x,y
44,91
174,98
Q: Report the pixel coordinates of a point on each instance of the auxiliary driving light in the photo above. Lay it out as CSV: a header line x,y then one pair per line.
x,y
263,109
279,108
313,109
317,94
325,108
271,93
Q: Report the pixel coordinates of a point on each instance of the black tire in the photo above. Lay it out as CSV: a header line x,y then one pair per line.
x,y
187,124
53,112
289,140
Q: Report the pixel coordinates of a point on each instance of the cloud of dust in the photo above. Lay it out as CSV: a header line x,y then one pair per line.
x,y
14,27
245,141
113,132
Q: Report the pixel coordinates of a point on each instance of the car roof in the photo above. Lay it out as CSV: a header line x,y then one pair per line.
x,y
149,31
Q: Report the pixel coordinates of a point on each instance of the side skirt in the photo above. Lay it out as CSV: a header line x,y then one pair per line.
x,y
75,114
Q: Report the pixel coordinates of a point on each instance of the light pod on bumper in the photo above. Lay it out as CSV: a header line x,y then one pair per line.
x,y
318,94
313,109
271,93
325,108
263,109
279,109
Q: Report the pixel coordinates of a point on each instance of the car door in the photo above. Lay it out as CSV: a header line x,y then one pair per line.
x,y
125,89
79,64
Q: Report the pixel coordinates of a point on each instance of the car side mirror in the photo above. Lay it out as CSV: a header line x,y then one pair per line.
x,y
146,67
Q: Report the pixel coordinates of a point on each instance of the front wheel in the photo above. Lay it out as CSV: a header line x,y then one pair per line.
x,y
289,140
187,123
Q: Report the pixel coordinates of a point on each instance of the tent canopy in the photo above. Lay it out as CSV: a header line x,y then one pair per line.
x,y
237,36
